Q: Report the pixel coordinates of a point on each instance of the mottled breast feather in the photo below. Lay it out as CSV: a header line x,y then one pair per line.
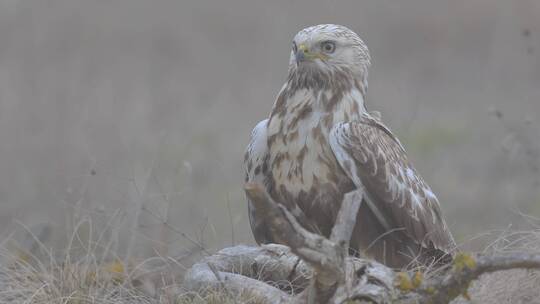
x,y
376,161
304,174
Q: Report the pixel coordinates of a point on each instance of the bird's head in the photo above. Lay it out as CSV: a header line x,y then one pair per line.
x,y
327,48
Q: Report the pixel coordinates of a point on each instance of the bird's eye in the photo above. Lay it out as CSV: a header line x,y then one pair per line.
x,y
328,46
294,48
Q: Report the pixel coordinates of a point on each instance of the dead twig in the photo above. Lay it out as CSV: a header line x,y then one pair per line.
x,y
445,288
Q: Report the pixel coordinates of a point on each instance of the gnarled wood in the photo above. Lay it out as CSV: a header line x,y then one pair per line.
x,y
314,269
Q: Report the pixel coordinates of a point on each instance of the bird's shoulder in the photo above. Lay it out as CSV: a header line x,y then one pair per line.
x,y
256,151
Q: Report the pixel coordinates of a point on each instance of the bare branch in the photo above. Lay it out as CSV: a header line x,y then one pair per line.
x,y
220,280
346,219
243,269
333,269
286,229
446,288
322,254
325,273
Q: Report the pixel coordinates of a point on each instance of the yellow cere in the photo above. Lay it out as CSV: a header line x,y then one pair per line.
x,y
311,55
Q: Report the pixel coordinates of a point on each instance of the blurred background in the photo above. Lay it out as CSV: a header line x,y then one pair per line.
x,y
136,113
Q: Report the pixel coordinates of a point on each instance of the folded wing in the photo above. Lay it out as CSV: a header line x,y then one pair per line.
x,y
377,163
255,167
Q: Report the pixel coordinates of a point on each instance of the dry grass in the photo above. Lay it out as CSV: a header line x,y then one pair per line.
x,y
88,271
510,286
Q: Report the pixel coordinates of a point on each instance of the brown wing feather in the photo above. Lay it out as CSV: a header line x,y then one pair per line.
x,y
255,167
376,161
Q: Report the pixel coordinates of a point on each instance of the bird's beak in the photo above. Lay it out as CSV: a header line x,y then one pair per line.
x,y
303,54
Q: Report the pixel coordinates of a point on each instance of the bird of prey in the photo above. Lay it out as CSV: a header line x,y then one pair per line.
x,y
320,143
